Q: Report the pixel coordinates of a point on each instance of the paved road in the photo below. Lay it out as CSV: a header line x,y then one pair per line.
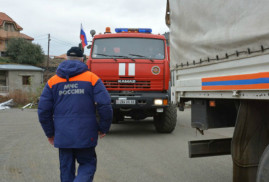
x,y
132,152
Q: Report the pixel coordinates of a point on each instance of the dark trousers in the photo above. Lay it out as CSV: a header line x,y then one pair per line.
x,y
87,160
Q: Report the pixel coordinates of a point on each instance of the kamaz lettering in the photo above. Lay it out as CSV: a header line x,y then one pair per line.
x,y
126,81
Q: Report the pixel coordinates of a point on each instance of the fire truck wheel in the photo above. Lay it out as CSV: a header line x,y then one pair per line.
x,y
166,122
262,174
115,121
117,118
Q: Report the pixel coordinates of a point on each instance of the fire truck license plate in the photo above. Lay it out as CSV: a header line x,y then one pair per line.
x,y
124,101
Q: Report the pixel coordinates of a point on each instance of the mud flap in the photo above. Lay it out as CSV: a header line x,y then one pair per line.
x,y
251,136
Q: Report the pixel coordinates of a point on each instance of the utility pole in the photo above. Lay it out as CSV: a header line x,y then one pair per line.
x,y
48,51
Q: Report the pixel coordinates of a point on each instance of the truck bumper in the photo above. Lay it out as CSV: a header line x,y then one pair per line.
x,y
139,100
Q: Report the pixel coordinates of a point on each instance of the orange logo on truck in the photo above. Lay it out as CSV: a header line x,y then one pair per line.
x,y
155,70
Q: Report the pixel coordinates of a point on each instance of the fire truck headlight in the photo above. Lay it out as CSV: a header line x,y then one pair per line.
x,y
158,102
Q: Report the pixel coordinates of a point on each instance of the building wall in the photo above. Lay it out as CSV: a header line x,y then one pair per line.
x,y
7,31
8,34
2,45
15,80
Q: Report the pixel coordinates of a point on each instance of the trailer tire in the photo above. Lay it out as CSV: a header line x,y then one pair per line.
x,y
263,169
166,122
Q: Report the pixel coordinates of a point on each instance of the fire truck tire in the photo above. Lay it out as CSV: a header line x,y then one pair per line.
x,y
117,118
115,121
166,122
262,173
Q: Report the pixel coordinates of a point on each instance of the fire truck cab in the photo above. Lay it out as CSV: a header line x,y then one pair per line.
x,y
134,67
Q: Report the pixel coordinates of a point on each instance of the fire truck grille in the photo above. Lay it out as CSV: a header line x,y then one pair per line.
x,y
137,85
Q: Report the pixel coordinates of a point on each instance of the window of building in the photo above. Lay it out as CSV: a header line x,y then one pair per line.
x,y
26,80
3,81
9,27
6,26
3,54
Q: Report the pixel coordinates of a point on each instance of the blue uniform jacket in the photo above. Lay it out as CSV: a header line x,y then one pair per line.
x,y
68,104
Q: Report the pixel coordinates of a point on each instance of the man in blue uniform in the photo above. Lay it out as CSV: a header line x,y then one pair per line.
x,y
67,113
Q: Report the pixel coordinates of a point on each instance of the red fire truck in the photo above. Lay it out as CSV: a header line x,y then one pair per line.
x,y
134,66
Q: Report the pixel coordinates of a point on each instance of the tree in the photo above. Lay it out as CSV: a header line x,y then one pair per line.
x,y
22,51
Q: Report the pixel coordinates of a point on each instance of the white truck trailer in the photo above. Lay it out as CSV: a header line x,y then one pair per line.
x,y
220,62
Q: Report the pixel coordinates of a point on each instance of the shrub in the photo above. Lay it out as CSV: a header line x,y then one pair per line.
x,y
4,60
24,52
19,98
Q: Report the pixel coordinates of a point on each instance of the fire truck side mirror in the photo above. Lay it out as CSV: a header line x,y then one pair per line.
x,y
89,46
92,32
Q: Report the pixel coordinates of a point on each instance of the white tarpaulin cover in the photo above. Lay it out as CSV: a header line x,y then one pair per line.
x,y
205,28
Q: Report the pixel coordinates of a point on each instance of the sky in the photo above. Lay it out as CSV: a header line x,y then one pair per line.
x,y
62,19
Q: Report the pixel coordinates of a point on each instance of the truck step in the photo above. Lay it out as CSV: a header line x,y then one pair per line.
x,y
212,147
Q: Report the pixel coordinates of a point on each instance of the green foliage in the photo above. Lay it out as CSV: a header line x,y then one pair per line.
x,y
24,52
4,60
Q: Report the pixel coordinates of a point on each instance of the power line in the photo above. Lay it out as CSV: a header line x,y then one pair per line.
x,y
42,35
72,43
61,43
40,38
53,44
58,49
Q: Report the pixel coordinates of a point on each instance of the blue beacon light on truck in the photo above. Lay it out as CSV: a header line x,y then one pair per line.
x,y
145,30
131,30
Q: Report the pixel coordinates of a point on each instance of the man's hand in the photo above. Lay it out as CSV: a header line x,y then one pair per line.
x,y
101,135
51,140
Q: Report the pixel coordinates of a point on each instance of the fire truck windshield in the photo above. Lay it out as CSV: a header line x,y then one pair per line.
x,y
128,48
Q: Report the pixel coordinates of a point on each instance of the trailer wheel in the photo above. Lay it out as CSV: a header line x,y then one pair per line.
x,y
263,169
166,122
